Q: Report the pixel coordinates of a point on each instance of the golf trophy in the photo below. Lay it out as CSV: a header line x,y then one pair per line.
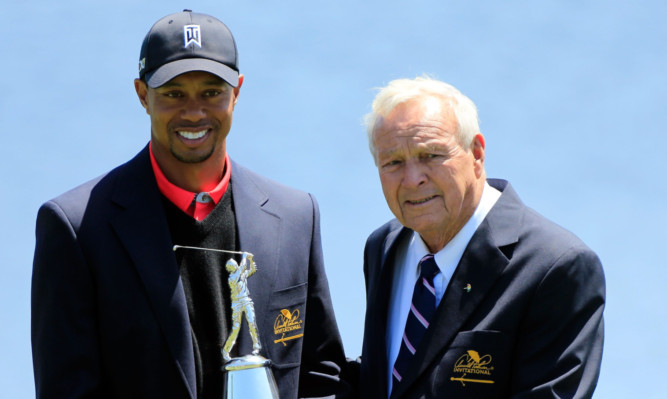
x,y
249,376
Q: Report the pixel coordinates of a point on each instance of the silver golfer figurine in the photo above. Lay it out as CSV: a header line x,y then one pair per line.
x,y
241,303
249,376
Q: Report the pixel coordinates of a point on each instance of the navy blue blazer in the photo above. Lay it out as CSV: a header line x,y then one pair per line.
x,y
109,317
521,317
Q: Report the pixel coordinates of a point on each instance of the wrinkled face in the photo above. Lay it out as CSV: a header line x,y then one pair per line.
x,y
191,116
431,182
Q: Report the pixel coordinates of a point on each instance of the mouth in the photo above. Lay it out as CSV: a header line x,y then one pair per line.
x,y
420,201
192,135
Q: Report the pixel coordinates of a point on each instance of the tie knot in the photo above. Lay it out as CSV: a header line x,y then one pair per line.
x,y
428,267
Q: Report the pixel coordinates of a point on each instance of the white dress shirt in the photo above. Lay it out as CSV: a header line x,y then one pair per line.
x,y
408,255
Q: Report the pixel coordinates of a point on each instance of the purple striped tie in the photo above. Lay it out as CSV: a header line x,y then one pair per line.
x,y
421,313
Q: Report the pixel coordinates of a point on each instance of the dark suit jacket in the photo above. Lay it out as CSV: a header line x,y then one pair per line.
x,y
529,327
109,317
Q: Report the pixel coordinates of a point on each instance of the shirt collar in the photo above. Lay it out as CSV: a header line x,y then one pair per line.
x,y
183,199
448,258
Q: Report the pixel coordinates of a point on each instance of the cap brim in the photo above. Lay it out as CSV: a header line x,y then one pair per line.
x,y
167,72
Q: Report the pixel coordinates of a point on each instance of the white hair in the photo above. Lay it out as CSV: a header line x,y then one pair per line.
x,y
400,91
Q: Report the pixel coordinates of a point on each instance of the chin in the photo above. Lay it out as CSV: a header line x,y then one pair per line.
x,y
192,157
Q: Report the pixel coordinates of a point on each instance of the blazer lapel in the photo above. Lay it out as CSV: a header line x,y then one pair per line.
x,y
482,263
259,233
376,327
142,228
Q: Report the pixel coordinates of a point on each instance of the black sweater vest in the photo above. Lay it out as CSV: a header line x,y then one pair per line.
x,y
205,284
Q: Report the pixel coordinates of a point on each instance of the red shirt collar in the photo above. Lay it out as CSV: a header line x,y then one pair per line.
x,y
185,200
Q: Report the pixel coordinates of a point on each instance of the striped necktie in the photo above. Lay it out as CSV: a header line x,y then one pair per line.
x,y
421,313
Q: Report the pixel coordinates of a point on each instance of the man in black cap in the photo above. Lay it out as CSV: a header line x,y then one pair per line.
x,y
116,312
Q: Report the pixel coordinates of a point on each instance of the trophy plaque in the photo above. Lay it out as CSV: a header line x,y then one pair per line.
x,y
249,376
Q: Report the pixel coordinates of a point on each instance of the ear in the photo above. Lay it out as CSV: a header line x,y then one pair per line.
x,y
478,151
142,92
237,89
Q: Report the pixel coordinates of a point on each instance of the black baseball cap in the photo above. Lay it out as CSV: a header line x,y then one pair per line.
x,y
185,42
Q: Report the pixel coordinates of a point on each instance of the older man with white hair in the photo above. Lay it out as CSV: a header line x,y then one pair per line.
x,y
470,294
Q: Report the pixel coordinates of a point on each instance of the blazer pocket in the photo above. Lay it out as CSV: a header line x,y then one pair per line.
x,y
479,337
287,313
475,365
289,296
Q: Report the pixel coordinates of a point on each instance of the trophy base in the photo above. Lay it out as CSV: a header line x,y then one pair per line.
x,y
250,377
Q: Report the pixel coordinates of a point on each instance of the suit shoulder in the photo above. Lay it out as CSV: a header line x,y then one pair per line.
x,y
91,194
379,234
556,251
74,202
276,194
376,241
550,233
512,220
262,181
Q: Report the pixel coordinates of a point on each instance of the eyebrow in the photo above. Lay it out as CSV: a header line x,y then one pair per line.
x,y
388,153
215,82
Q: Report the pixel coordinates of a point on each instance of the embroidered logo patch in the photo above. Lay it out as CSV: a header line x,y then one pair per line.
x,y
192,35
288,326
473,368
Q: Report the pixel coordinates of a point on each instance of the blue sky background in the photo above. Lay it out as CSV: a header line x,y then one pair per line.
x,y
571,96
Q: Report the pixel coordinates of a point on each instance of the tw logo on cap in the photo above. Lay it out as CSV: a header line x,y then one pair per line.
x,y
192,34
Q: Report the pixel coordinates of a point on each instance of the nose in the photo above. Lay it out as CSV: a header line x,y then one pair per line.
x,y
193,110
414,174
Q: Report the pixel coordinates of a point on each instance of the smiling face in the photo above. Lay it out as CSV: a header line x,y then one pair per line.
x,y
432,183
191,116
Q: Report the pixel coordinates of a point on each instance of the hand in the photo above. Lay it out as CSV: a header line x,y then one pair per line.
x,y
253,265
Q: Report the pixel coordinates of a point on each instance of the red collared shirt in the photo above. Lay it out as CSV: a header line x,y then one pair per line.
x,y
197,205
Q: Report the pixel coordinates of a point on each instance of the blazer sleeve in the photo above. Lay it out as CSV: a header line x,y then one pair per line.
x,y
559,347
323,358
64,347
